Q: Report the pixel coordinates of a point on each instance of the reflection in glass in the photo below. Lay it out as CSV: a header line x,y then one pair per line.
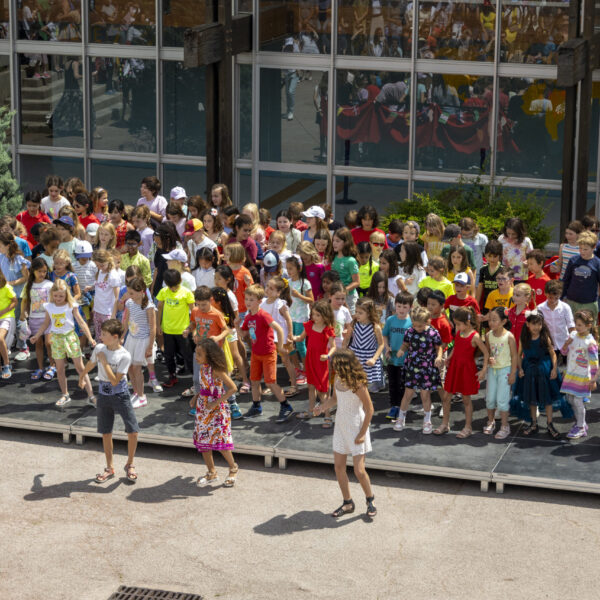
x,y
594,131
5,86
51,103
50,21
454,122
191,179
122,22
293,112
121,179
278,189
178,15
372,126
123,100
295,26
375,28
245,114
4,22
351,192
530,128
183,109
245,192
35,169
531,33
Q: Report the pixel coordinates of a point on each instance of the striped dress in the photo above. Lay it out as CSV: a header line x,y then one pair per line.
x,y
568,252
364,345
582,365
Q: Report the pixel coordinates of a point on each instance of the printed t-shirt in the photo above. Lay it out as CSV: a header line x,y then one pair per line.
x,y
454,302
394,329
207,324
488,280
119,361
176,311
139,261
346,266
495,299
6,295
261,334
61,318
538,285
137,324
39,295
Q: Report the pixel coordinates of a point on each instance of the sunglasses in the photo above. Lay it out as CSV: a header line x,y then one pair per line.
x,y
379,244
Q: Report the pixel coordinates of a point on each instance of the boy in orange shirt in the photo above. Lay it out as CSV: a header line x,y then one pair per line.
x,y
235,256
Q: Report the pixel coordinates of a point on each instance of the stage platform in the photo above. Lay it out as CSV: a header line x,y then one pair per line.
x,y
518,460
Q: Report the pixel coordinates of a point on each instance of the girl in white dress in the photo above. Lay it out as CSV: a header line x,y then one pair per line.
x,y
351,433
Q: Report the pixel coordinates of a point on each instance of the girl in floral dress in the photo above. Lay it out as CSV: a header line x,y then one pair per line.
x,y
515,246
212,430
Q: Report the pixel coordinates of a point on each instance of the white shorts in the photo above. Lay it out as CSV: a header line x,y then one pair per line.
x,y
35,324
137,348
10,325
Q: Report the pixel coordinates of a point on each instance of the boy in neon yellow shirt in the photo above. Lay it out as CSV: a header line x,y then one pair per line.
x,y
436,280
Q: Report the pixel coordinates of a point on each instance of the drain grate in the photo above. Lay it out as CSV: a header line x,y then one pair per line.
x,y
137,593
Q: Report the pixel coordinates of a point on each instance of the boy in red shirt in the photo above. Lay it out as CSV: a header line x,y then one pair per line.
x,y
537,278
461,296
33,215
258,325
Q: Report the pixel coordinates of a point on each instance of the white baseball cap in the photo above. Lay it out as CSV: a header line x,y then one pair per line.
x,y
83,249
177,254
177,193
314,211
461,278
92,229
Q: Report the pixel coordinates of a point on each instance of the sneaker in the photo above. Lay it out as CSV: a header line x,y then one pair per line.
x,y
300,377
171,382
179,369
254,411
156,387
284,413
236,413
22,354
290,116
585,400
490,428
399,424
417,408
503,432
374,387
92,401
139,402
577,432
192,412
427,427
134,397
393,413
457,398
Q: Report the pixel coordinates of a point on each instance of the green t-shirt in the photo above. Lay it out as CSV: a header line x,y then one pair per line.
x,y
6,295
365,274
444,285
347,266
176,310
468,250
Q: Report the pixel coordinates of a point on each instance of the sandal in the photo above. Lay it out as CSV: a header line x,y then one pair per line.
x,y
291,392
532,429
552,432
245,388
188,393
327,423
208,477
6,372
49,373
441,430
304,415
342,510
107,474
465,432
36,375
371,510
230,481
64,399
130,472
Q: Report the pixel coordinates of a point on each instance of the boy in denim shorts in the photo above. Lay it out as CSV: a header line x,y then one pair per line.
x,y
113,396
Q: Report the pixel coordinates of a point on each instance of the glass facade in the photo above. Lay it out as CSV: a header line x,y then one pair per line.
x,y
340,100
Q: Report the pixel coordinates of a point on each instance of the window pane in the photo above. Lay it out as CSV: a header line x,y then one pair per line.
x,y
178,15
35,169
530,128
5,86
594,131
372,126
245,114
351,193
291,128
4,23
375,28
453,123
532,32
192,179
278,189
457,31
51,103
123,104
121,179
50,21
245,194
295,26
183,111
122,22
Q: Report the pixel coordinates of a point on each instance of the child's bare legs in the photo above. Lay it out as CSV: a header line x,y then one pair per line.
x,y
137,379
491,415
408,394
468,412
242,353
312,396
256,392
228,456
445,396
49,350
548,413
322,397
3,348
362,475
209,461
78,363
339,463
132,440
277,392
39,352
60,373
238,361
426,400
107,444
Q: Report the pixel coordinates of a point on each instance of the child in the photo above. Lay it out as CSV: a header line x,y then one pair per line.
x,y
439,321
259,327
502,350
235,256
61,315
219,196
99,198
86,271
116,214
213,228
8,302
341,315
557,314
462,376
196,240
293,237
139,320
452,237
320,344
518,312
364,338
502,296
106,290
302,298
582,276
176,259
65,228
176,215
106,237
113,396
515,246
343,260
272,267
434,232
567,250
84,207
132,255
277,244
174,303
538,279
351,433
410,267
581,349
538,384
366,267
461,297
323,245
314,267
141,222
32,215
257,233
393,333
381,296
54,201
457,262
487,275
388,265
264,220
212,429
206,261
49,239
410,233
422,346
63,269
436,279
394,235
471,237
327,280
377,242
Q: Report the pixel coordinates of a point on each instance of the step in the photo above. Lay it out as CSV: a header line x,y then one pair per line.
x,y
37,123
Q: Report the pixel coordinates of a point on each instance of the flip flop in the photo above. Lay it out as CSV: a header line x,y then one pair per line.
x,y
244,389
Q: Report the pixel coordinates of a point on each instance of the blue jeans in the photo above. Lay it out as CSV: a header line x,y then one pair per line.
x,y
498,389
291,81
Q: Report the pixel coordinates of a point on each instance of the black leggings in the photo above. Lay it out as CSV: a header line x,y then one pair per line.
x,y
177,343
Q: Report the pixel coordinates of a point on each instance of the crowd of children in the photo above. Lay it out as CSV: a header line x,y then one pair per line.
x,y
202,286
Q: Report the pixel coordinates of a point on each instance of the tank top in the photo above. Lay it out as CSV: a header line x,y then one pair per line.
x,y
500,350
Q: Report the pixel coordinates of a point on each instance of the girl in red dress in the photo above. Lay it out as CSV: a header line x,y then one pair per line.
x,y
320,345
462,376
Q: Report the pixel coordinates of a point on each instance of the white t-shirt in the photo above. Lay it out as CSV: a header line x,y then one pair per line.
x,y
341,317
204,277
273,309
119,361
417,274
53,208
193,247
104,298
40,295
61,317
156,205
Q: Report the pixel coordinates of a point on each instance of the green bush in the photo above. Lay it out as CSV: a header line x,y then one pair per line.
x,y
471,198
11,198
